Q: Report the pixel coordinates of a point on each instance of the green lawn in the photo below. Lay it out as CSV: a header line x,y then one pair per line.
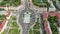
x,y
15,28
13,17
34,31
12,22
30,31
37,25
53,21
41,4
2,33
2,17
10,2
14,31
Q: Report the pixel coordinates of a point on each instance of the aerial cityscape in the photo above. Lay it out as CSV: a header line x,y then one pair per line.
x,y
29,16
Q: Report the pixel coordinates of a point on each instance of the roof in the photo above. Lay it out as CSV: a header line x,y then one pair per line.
x,y
45,14
52,13
2,25
47,28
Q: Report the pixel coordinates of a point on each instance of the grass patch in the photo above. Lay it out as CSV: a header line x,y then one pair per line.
x,y
30,31
53,21
13,17
54,3
14,24
2,17
10,2
37,25
14,31
36,32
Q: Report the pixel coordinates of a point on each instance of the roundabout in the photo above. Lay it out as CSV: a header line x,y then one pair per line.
x,y
26,20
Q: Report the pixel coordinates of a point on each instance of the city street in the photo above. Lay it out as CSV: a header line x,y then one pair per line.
x,y
32,17
25,26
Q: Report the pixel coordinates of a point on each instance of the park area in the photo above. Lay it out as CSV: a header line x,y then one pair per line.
x,y
36,28
9,2
40,3
2,17
12,26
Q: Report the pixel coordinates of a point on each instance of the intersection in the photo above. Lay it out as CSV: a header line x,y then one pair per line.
x,y
30,17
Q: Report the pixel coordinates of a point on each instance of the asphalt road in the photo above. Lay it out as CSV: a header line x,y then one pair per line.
x,y
26,26
26,3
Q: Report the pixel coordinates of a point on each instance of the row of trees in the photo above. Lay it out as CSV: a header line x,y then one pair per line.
x,y
53,24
